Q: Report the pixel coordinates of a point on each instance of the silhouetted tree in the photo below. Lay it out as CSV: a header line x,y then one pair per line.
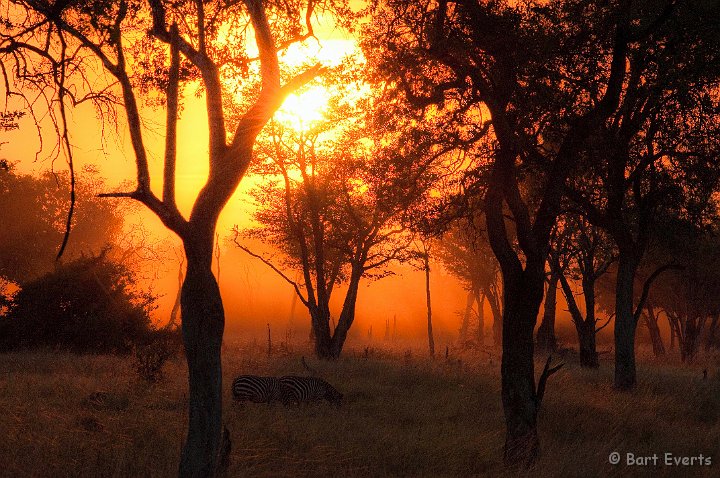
x,y
687,295
64,43
32,213
89,305
334,209
545,335
452,63
584,253
464,250
657,150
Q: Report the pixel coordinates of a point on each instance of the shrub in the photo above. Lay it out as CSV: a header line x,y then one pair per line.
x,y
150,357
88,305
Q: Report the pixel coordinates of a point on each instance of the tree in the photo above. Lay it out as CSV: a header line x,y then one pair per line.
x,y
464,250
32,211
657,151
62,45
688,294
334,210
89,305
545,335
452,63
423,251
586,253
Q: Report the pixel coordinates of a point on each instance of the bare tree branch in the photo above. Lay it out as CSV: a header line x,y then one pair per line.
x,y
542,382
648,283
273,267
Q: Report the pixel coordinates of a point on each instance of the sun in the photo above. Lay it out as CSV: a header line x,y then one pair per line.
x,y
300,110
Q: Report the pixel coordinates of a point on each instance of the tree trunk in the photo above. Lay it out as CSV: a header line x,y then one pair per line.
x,y
585,327
466,317
710,340
176,306
347,315
586,338
480,301
497,315
521,303
203,322
625,373
546,339
673,331
691,337
320,325
652,325
431,339
293,305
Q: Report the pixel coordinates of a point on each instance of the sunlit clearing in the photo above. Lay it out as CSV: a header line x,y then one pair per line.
x,y
300,110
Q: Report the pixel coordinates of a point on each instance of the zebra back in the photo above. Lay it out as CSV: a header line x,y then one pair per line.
x,y
310,389
258,389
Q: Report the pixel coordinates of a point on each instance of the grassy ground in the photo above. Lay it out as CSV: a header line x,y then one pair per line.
x,y
404,415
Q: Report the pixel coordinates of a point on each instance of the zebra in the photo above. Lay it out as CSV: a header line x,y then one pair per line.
x,y
309,389
259,389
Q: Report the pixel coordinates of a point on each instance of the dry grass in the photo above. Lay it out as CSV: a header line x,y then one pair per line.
x,y
66,415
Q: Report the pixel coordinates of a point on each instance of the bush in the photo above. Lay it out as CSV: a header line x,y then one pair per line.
x,y
86,306
150,357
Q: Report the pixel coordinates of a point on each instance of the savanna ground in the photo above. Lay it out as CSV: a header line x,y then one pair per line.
x,y
403,415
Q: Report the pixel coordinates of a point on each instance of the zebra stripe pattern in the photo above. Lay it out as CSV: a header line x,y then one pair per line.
x,y
252,388
310,389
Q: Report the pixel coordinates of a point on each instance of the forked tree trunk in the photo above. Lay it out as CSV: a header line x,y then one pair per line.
x,y
546,339
651,321
203,322
347,315
329,343
625,372
320,332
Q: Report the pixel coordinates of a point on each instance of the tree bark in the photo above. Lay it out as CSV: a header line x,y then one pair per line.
x,y
203,323
588,350
176,306
585,327
690,339
480,301
673,331
465,324
710,340
431,339
497,325
347,315
546,339
522,299
651,321
625,372
320,332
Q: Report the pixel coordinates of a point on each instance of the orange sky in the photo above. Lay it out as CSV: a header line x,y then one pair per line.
x,y
253,294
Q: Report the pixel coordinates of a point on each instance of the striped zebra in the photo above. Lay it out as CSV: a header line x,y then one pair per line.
x,y
257,389
310,389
